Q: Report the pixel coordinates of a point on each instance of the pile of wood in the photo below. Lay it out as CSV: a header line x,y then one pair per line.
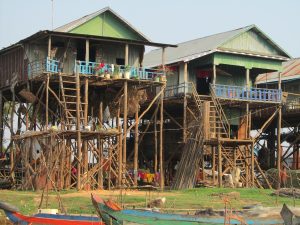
x,y
288,192
188,167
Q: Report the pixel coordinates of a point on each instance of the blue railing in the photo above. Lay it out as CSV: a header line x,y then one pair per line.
x,y
93,68
52,65
247,94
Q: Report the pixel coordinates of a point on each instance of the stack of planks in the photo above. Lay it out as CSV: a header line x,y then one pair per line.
x,y
188,167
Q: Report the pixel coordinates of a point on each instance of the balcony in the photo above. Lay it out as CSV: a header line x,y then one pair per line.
x,y
247,94
42,66
93,68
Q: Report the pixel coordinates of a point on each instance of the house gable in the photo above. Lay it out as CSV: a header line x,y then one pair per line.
x,y
109,25
255,42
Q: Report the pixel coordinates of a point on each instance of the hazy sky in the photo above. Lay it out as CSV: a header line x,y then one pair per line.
x,y
167,21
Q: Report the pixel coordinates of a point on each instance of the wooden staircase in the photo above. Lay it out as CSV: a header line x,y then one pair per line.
x,y
70,98
219,124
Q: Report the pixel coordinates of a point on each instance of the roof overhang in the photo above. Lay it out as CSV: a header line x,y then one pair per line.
x,y
47,33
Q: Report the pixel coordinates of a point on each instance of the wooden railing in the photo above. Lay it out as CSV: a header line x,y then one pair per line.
x,y
47,65
243,93
93,68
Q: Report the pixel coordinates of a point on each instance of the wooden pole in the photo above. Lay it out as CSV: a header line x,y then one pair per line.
x,y
47,102
100,147
185,76
161,159
252,165
125,130
136,146
213,153
279,150
79,156
219,163
126,54
155,143
12,133
87,50
49,46
120,138
214,74
85,142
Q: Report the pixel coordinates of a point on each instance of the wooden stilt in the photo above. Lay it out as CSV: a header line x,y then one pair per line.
x,y
125,110
47,102
100,148
155,143
161,157
279,149
219,164
213,168
136,146
252,165
78,128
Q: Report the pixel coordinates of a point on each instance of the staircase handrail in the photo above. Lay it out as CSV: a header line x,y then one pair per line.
x,y
220,111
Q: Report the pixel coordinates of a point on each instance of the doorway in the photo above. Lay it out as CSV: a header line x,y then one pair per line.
x,y
203,76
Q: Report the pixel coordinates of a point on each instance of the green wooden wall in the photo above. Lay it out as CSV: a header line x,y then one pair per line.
x,y
106,24
251,41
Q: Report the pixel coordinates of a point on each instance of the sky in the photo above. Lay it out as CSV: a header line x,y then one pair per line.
x,y
166,21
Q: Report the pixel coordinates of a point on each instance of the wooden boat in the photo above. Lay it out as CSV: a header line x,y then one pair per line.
x,y
288,216
112,214
16,217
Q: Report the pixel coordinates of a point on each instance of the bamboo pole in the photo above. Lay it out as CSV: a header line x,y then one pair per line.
x,y
79,155
213,164
136,146
85,144
219,163
47,102
125,111
252,165
155,143
12,163
161,158
100,148
119,139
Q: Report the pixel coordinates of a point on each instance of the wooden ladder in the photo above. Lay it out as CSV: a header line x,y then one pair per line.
x,y
70,90
216,125
220,116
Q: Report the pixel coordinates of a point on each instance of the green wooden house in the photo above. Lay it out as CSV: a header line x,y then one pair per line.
x,y
228,63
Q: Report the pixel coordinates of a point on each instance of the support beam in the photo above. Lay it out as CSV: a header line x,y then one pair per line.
x,y
47,102
136,146
125,110
100,148
219,164
79,156
155,142
49,46
214,79
126,54
213,153
87,50
279,149
161,157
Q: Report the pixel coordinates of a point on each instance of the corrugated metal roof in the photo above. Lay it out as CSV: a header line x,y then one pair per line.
x,y
291,71
70,26
200,47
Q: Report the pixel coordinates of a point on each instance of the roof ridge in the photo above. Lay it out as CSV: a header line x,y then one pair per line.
x,y
241,28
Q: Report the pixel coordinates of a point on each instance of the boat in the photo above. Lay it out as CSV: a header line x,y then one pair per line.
x,y
112,214
288,216
16,217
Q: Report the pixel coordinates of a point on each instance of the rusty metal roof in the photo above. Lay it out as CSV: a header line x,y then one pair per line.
x,y
291,71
